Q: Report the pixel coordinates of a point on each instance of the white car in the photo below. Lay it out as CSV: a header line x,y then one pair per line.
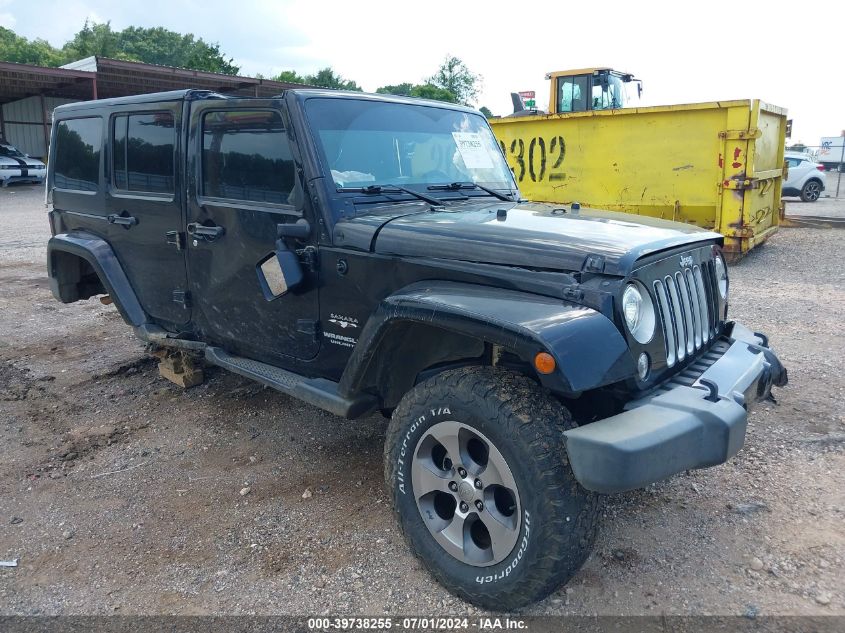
x,y
806,177
15,166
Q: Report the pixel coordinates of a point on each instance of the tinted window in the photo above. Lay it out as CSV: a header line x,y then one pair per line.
x,y
572,94
119,152
77,163
246,156
143,152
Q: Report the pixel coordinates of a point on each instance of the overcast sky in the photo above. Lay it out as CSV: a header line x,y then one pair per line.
x,y
782,53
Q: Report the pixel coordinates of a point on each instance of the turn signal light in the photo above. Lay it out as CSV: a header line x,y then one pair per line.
x,y
544,363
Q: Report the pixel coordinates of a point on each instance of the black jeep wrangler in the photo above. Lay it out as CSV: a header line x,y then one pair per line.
x,y
370,253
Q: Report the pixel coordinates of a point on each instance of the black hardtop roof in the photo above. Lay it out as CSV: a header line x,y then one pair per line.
x,y
301,93
307,93
150,97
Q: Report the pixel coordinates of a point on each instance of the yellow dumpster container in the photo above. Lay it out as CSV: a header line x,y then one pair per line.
x,y
717,165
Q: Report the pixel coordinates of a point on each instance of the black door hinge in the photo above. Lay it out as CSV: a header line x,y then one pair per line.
x,y
310,258
183,297
309,327
175,238
594,264
573,292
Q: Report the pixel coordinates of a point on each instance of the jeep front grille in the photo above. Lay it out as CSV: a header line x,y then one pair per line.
x,y
689,310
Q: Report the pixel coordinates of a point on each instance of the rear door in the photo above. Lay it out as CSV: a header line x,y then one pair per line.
x,y
144,202
243,182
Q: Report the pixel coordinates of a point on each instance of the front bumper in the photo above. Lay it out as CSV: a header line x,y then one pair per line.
x,y
684,428
13,176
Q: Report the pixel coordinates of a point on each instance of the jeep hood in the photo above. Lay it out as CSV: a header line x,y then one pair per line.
x,y
530,235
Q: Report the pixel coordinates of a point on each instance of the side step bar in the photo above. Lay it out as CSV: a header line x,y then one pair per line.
x,y
317,391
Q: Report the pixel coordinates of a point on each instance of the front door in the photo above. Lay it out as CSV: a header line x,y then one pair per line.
x,y
243,182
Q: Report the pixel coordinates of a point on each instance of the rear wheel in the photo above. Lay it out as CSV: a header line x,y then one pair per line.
x,y
481,485
811,191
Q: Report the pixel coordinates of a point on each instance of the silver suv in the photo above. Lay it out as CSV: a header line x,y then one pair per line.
x,y
806,177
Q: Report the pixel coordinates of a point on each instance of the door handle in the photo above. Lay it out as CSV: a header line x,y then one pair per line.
x,y
126,221
207,233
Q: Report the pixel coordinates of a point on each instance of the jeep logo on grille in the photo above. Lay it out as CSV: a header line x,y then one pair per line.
x,y
686,261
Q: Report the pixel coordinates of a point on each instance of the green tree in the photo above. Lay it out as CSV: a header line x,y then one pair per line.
x,y
454,76
290,76
399,89
429,91
422,91
94,39
152,46
328,78
149,45
14,48
486,112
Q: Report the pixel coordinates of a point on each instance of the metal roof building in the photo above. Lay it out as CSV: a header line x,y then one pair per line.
x,y
29,93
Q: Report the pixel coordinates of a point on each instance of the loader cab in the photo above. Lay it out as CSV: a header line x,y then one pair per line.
x,y
591,89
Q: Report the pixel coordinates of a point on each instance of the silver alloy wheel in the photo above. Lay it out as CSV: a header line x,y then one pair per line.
x,y
466,494
812,191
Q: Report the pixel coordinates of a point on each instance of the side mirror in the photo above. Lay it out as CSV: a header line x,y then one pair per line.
x,y
279,272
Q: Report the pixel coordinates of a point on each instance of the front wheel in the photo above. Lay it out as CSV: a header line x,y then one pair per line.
x,y
481,485
811,191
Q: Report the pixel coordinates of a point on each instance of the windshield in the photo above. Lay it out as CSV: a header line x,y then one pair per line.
x,y
609,97
371,142
8,150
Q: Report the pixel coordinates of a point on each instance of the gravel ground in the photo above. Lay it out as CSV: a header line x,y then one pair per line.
x,y
120,493
823,207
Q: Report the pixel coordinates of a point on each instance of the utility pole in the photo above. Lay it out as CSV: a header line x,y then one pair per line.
x,y
841,163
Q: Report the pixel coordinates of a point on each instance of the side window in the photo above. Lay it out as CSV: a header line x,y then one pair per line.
x,y
572,94
77,161
246,156
793,162
143,152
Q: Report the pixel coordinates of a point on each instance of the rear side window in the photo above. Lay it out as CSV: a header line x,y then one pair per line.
x,y
143,152
793,162
572,94
77,161
246,156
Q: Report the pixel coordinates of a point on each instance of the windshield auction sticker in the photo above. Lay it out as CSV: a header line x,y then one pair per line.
x,y
472,149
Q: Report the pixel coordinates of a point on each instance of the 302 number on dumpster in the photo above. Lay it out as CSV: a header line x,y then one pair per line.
x,y
538,159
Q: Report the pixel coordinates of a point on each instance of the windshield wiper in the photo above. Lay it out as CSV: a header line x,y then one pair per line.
x,y
457,186
375,189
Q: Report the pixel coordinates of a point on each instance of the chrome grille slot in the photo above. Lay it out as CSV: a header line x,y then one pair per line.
x,y
686,309
710,285
680,321
666,320
703,308
696,307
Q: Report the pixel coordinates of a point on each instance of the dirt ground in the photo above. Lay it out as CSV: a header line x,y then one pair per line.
x,y
121,493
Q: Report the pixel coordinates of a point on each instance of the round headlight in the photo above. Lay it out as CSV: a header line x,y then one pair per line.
x,y
632,306
721,276
638,311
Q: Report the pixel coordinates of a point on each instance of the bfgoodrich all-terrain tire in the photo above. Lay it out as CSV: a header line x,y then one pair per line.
x,y
481,485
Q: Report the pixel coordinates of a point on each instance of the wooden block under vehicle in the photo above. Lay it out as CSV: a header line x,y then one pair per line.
x,y
179,369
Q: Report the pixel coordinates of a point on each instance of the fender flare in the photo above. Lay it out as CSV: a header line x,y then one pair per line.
x,y
97,252
589,350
